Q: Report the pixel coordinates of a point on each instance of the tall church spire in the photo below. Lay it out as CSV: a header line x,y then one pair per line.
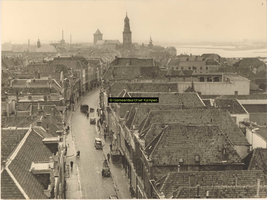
x,y
127,34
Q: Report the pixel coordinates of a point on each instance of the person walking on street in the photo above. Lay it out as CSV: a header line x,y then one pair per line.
x,y
110,147
71,164
105,135
108,155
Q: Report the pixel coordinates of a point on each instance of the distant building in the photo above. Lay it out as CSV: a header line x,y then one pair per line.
x,y
127,34
97,36
62,41
150,45
38,43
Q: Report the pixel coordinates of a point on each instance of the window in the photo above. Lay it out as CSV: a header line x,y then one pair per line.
x,y
182,67
189,67
194,68
216,79
184,79
201,79
209,79
177,68
207,68
236,92
200,68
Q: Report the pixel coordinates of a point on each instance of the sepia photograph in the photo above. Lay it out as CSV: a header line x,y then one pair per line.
x,y
133,99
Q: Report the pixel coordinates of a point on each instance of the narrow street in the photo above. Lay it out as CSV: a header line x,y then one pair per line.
x,y
93,185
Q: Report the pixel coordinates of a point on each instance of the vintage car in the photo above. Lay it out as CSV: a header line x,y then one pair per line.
x,y
105,170
98,143
84,109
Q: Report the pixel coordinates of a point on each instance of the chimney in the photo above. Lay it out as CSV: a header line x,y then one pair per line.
x,y
198,196
62,35
178,168
258,188
207,194
47,127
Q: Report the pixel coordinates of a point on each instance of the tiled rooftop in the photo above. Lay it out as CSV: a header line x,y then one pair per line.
x,y
176,180
239,97
141,111
133,61
189,100
21,121
9,189
259,160
212,61
178,141
221,192
232,105
259,118
10,140
33,150
218,117
45,90
116,88
247,62
133,72
54,123
48,109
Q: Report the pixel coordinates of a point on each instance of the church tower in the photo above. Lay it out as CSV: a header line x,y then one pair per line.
x,y
150,45
127,34
38,43
97,36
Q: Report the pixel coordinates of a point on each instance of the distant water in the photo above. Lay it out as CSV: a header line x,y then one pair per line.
x,y
223,51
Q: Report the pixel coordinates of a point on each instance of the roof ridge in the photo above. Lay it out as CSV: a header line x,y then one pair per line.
x,y
164,183
14,154
161,135
17,183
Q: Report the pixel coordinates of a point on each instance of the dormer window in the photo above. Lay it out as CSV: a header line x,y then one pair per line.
x,y
41,168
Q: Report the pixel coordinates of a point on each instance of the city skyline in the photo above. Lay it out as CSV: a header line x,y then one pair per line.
x,y
165,21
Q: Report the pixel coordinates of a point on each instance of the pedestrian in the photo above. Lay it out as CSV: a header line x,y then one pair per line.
x,y
105,135
71,164
110,147
108,155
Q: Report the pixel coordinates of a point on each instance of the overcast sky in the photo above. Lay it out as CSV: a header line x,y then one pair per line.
x,y
163,20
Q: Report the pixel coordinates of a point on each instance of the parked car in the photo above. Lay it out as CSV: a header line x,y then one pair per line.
x,y
98,143
84,109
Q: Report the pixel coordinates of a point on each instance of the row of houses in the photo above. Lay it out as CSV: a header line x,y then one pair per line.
x,y
147,70
33,153
34,105
186,146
